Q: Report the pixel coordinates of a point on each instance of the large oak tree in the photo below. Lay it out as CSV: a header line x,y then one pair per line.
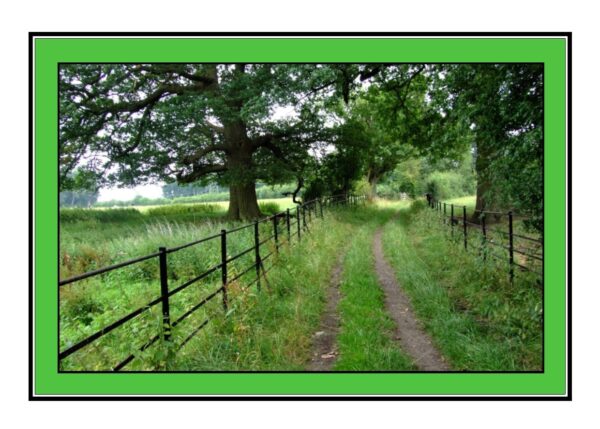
x,y
141,122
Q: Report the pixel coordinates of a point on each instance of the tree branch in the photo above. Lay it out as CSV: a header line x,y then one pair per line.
x,y
266,141
199,171
202,152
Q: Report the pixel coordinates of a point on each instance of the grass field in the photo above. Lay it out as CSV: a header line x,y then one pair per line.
x,y
477,318
468,201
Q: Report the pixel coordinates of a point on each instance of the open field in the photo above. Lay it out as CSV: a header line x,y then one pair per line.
x,y
468,201
283,203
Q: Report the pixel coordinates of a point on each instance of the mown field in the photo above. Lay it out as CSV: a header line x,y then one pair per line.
x,y
476,317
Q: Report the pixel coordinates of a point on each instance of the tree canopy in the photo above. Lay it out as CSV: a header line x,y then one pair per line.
x,y
185,122
326,125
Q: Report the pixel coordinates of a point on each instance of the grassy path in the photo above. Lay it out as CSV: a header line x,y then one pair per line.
x,y
413,339
366,340
477,318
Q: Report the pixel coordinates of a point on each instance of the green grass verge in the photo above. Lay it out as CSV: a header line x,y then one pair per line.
x,y
477,318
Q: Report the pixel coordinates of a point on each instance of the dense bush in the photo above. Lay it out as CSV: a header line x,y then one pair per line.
x,y
269,208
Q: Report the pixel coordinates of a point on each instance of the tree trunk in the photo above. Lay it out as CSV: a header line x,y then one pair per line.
x,y
373,180
243,204
480,203
483,183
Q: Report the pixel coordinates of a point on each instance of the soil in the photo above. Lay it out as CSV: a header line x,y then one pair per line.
x,y
414,341
324,349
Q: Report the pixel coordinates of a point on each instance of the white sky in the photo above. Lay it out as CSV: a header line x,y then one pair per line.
x,y
125,194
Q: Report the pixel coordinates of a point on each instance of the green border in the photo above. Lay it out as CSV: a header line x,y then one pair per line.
x,y
48,52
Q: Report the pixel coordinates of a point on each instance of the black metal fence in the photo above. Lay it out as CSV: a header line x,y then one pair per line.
x,y
275,230
495,234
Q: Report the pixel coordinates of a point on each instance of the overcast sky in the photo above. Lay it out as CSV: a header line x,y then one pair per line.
x,y
124,194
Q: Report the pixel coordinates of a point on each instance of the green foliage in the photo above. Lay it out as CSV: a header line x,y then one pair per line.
x,y
443,178
447,184
503,106
269,208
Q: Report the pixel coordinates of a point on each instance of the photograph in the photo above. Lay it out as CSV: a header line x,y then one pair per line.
x,y
301,215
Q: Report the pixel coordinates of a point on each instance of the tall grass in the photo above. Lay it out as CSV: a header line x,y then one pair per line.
x,y
270,329
478,318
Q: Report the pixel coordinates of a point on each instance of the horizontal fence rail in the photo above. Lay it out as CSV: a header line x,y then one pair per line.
x,y
496,230
281,228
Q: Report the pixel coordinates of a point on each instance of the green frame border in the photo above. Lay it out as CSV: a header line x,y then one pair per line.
x,y
47,50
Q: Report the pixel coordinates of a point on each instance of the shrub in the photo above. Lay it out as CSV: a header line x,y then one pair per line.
x,y
269,208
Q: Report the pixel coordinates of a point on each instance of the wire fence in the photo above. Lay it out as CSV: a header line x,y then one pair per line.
x,y
498,235
266,235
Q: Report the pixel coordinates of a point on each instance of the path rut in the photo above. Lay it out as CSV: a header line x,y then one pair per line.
x,y
324,350
413,339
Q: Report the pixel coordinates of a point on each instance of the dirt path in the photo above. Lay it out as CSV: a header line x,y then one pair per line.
x,y
413,339
324,349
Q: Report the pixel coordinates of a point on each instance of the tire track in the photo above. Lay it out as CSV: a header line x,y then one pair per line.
x,y
324,349
411,336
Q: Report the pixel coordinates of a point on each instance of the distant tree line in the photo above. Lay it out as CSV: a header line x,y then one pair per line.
x,y
183,194
78,198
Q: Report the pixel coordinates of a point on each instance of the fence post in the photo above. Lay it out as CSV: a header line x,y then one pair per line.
x,y
164,293
484,234
298,222
257,254
309,214
304,216
452,219
224,266
287,221
444,212
275,231
465,225
321,207
511,255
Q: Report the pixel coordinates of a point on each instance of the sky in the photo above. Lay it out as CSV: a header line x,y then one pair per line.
x,y
124,194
